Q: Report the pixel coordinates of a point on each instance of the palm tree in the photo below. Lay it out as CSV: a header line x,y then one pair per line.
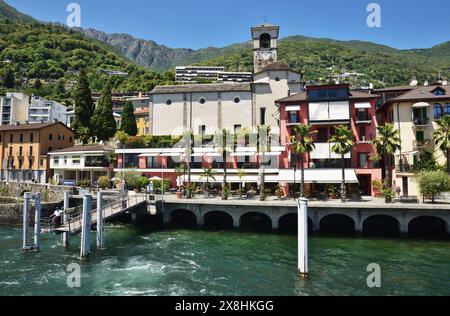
x,y
441,138
208,173
302,143
387,143
241,174
224,150
263,147
343,144
188,139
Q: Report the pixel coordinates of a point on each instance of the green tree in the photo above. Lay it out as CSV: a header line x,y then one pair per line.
x,y
387,143
302,143
8,78
432,183
343,144
441,138
103,123
241,175
84,109
208,173
129,125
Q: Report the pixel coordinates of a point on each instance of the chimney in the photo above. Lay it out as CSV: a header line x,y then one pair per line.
x,y
426,83
414,82
289,93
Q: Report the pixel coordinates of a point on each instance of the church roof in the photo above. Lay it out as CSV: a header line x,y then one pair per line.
x,y
194,88
277,66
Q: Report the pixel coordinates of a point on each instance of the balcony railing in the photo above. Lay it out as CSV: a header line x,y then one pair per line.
x,y
421,144
421,121
405,168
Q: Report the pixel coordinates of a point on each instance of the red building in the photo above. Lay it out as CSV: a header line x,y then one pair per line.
x,y
324,108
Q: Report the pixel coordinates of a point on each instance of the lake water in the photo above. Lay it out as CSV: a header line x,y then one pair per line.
x,y
183,262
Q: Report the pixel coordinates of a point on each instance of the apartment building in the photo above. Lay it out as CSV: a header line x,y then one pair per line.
x,y
414,114
323,108
44,111
24,150
14,108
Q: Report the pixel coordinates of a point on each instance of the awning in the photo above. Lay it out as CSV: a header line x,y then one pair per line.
x,y
363,105
324,176
421,105
171,155
243,154
197,154
293,108
150,155
271,154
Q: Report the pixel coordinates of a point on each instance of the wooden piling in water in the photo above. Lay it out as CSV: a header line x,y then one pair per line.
x,y
26,220
37,222
100,222
86,227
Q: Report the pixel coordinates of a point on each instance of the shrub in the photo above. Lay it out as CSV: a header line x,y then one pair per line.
x,y
157,185
84,184
432,183
104,183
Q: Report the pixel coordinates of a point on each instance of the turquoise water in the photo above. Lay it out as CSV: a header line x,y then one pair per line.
x,y
223,263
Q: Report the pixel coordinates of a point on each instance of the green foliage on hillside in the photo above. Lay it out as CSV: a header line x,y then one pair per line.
x,y
52,52
317,58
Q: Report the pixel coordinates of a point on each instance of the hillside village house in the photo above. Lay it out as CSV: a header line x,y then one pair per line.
x,y
24,150
414,114
143,121
70,165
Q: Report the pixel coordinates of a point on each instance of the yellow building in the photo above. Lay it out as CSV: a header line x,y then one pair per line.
x,y
24,150
414,114
143,121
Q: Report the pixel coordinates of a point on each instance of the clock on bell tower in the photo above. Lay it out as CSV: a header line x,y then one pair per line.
x,y
265,45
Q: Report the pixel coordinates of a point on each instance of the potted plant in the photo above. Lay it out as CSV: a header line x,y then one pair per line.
x,y
279,192
355,191
389,195
331,191
104,183
84,185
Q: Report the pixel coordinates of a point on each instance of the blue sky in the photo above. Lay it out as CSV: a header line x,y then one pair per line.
x,y
202,23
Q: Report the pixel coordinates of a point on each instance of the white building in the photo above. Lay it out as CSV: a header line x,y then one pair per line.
x,y
45,111
77,163
205,108
14,108
193,74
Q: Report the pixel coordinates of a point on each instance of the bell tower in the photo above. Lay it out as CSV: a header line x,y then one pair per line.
x,y
265,45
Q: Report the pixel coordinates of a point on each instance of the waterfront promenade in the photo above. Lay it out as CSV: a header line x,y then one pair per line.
x,y
369,214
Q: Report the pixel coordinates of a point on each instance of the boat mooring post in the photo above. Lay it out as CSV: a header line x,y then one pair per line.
x,y
26,220
303,266
37,222
66,235
100,222
86,227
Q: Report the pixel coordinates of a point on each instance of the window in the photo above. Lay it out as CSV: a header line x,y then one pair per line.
x,y
446,110
50,136
362,133
202,101
21,138
31,138
293,117
55,160
65,160
10,151
169,102
20,164
76,160
363,159
30,163
277,79
11,138
328,94
20,151
31,151
237,100
0,138
63,137
59,137
439,91
264,41
438,111
41,162
50,149
71,139
420,137
262,112
322,135
237,128
202,130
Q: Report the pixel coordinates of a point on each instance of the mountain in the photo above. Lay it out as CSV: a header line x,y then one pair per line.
x,y
9,13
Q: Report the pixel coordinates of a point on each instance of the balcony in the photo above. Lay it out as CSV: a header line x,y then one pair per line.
x,y
421,121
421,144
404,168
363,118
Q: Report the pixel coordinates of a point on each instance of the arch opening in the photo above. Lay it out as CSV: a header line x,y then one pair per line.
x,y
428,226
336,224
183,219
217,221
256,222
264,41
381,226
288,224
